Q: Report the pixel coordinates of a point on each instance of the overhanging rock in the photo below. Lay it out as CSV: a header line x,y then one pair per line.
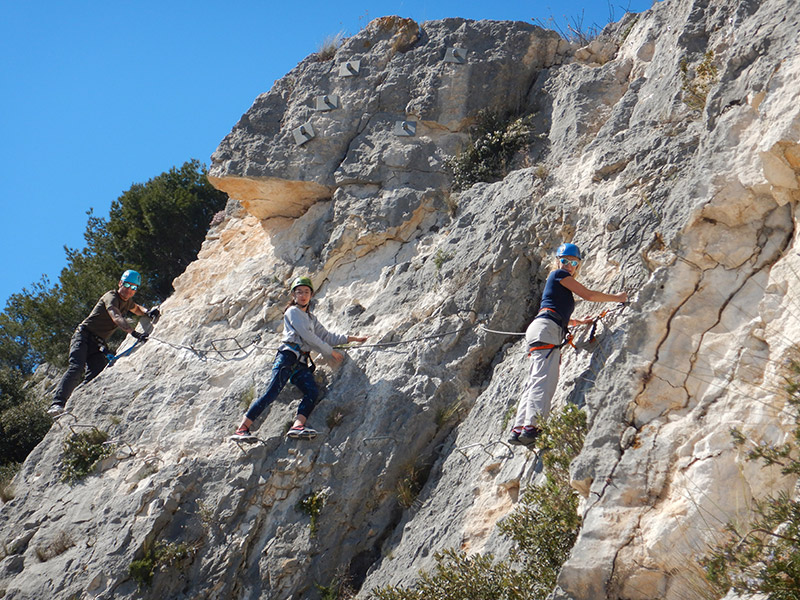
x,y
267,197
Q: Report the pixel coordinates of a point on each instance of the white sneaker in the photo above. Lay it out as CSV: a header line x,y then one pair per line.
x,y
243,433
301,433
56,409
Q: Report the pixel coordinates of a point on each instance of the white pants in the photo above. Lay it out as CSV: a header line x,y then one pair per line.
x,y
542,373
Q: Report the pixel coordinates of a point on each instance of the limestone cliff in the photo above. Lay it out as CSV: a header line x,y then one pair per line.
x,y
668,149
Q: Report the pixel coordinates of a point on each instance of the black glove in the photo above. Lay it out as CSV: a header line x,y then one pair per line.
x,y
154,314
142,337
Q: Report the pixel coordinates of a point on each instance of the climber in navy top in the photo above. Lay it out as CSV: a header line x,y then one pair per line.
x,y
301,334
545,337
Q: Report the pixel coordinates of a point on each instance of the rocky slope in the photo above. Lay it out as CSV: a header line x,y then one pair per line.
x,y
668,150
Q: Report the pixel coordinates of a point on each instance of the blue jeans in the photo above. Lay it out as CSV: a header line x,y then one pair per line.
x,y
287,367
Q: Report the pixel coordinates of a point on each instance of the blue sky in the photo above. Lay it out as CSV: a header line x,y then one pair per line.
x,y
97,96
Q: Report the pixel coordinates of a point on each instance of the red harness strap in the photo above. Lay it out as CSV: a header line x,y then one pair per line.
x,y
567,340
567,336
542,347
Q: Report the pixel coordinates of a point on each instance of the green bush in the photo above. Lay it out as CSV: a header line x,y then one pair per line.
x,y
762,555
442,257
312,505
461,577
545,524
82,451
22,427
495,141
338,589
157,557
543,528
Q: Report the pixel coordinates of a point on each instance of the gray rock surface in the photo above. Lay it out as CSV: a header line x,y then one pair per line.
x,y
691,209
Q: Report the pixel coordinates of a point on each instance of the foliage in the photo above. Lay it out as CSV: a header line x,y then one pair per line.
x,y
312,505
458,576
442,257
335,418
22,426
142,231
495,141
449,412
543,528
338,589
7,472
159,556
156,228
247,397
545,524
627,31
762,555
62,542
574,30
329,45
82,451
412,479
697,82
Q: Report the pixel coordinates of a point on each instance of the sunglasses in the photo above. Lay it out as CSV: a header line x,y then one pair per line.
x,y
574,263
132,286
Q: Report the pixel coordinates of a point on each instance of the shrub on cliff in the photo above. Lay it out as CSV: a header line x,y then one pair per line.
x,y
495,141
762,555
543,526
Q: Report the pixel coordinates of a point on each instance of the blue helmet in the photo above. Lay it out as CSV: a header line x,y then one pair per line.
x,y
569,250
130,276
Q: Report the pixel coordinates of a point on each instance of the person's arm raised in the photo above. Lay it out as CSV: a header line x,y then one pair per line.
x,y
591,295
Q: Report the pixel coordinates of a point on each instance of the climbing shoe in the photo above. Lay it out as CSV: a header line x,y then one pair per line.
x,y
56,409
529,436
301,433
243,433
513,438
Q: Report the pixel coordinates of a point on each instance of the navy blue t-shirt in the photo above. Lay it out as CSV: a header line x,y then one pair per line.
x,y
557,297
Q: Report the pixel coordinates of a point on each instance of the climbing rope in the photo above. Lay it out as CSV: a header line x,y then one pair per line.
x,y
242,349
409,341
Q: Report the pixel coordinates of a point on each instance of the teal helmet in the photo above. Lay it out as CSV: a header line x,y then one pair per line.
x,y
569,250
131,276
302,281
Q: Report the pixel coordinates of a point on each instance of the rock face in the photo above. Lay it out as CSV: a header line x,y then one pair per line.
x,y
670,156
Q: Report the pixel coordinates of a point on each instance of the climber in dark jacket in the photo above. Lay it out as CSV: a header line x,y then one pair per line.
x,y
87,349
545,337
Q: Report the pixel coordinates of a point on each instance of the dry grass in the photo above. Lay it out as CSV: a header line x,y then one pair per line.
x,y
60,544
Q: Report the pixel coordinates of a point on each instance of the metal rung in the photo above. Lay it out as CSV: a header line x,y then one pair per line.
x,y
326,102
405,128
350,68
302,134
456,55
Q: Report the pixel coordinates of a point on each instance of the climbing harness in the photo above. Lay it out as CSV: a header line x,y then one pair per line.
x,y
303,358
